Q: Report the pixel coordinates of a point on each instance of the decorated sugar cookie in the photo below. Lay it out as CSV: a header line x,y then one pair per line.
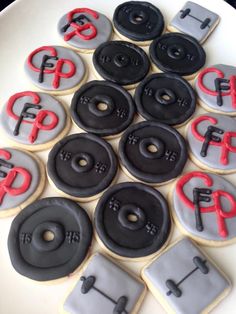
x,y
177,53
104,287
216,89
204,207
185,280
34,121
152,152
195,20
81,166
84,29
55,69
211,141
22,180
132,221
103,108
166,98
121,62
138,21
49,239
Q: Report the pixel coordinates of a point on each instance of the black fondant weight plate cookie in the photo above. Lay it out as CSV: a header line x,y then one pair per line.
x,y
49,239
177,53
121,62
166,98
139,21
82,166
102,108
152,152
132,220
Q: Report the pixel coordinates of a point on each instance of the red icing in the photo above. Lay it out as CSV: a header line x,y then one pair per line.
x,y
220,74
225,143
57,69
7,182
78,29
216,197
37,124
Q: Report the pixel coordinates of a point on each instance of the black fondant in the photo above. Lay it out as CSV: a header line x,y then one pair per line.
x,y
42,260
115,119
121,62
139,21
177,53
129,238
87,180
221,85
209,136
200,195
166,164
166,98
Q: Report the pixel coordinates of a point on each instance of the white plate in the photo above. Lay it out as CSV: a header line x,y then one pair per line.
x,y
27,24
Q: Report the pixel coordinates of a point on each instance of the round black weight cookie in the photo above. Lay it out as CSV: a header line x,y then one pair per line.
x,y
138,21
103,108
132,220
166,98
152,152
121,62
82,165
177,53
49,239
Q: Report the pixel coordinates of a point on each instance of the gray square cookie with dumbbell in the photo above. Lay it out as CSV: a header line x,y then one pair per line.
x,y
194,20
185,280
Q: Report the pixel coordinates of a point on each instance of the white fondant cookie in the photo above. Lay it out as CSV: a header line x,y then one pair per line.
x,y
195,20
22,180
185,281
84,29
212,142
104,288
216,89
55,69
204,207
34,121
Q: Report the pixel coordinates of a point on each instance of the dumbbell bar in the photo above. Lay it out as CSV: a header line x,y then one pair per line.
x,y
204,23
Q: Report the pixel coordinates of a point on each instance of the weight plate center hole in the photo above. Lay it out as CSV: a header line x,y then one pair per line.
x,y
138,18
132,218
102,106
48,236
82,162
152,148
165,97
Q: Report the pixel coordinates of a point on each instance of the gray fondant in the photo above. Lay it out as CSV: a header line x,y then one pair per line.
x,y
212,159
102,24
48,103
65,83
186,216
209,83
198,290
20,159
111,280
193,23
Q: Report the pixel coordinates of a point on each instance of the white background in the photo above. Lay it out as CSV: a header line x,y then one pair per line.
x,y
28,24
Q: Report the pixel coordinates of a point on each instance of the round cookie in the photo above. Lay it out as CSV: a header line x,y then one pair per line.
x,y
22,179
177,53
34,121
84,29
49,239
166,98
138,21
152,152
81,166
204,208
132,221
103,108
55,69
216,89
121,62
211,141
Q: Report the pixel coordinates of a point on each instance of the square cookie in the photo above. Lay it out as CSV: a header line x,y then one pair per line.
x,y
184,280
195,20
104,288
